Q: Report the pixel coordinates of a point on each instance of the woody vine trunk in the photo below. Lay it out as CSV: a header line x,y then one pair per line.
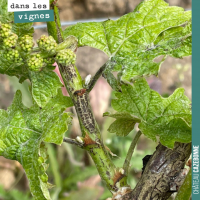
x,y
163,174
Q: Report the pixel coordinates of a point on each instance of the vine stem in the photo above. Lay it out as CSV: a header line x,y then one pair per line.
x,y
91,139
130,153
72,141
54,28
96,77
91,136
104,71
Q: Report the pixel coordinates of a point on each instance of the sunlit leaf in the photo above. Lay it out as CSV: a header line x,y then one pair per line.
x,y
136,39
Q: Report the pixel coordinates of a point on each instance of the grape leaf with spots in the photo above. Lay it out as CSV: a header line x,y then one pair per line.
x,y
136,39
23,132
169,118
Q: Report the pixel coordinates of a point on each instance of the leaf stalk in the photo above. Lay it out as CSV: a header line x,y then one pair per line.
x,y
126,165
72,141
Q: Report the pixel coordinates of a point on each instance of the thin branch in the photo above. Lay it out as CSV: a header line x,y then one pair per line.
x,y
91,136
54,27
130,153
105,71
58,24
72,141
96,77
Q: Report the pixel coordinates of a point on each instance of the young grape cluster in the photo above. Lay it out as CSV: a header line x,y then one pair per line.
x,y
18,50
12,55
5,30
47,43
26,43
10,41
8,38
66,57
35,62
49,61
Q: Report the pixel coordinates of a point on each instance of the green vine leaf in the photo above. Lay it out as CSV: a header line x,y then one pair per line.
x,y
177,41
22,29
23,132
169,118
12,68
45,84
5,16
136,39
123,124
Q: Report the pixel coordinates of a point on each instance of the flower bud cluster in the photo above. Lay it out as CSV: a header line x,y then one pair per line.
x,y
21,49
10,41
66,57
47,43
5,30
12,55
35,62
26,43
49,61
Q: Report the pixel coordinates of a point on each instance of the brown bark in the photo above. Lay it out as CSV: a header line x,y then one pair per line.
x,y
162,175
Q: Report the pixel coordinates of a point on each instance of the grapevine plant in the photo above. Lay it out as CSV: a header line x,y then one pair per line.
x,y
133,42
